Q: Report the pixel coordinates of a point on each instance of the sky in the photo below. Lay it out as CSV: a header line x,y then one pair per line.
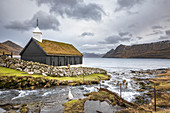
x,y
93,26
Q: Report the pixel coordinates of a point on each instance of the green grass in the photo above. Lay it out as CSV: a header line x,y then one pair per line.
x,y
11,72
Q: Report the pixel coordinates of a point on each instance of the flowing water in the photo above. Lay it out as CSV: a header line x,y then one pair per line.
x,y
119,69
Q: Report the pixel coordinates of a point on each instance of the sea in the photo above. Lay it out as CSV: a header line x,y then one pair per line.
x,y
119,68
126,64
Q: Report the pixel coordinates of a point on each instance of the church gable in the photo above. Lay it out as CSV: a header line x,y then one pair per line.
x,y
32,49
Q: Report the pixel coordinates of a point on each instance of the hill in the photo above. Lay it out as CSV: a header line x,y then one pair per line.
x,y
92,55
9,46
150,50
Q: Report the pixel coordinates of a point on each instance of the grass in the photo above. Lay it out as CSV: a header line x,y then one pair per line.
x,y
92,77
74,106
163,83
52,47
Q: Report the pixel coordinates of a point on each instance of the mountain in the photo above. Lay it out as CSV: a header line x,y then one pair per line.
x,y
92,55
150,50
9,46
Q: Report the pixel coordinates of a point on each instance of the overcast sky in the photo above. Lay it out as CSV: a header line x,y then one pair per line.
x,y
90,25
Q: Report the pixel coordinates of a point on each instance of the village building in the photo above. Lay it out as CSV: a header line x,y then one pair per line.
x,y
50,52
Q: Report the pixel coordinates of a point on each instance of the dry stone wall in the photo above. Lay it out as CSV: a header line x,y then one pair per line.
x,y
46,70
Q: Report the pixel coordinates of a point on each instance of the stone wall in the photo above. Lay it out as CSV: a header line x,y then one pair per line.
x,y
37,68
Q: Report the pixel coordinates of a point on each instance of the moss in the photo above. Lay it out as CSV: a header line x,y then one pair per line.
x,y
74,106
52,47
102,95
24,109
140,90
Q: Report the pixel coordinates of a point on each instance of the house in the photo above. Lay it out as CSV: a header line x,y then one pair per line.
x,y
50,52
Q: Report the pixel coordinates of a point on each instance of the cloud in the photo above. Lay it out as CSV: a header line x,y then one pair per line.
x,y
163,37
46,21
74,8
115,39
126,4
92,47
157,27
132,26
123,33
17,26
155,32
139,37
87,34
167,32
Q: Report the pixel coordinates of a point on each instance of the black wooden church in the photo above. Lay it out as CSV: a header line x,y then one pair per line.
x,y
50,52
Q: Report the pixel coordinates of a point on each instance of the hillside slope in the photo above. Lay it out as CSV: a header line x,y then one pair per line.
x,y
9,46
150,50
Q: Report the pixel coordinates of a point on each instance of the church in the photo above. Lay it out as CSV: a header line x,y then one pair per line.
x,y
50,52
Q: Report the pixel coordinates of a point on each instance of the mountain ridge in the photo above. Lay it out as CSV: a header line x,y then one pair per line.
x,y
148,50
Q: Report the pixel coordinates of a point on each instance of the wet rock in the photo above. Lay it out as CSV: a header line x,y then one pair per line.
x,y
16,106
6,107
2,110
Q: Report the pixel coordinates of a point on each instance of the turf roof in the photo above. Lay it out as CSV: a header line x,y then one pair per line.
x,y
58,48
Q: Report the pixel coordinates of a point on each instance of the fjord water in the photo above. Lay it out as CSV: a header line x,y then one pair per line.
x,y
119,69
126,64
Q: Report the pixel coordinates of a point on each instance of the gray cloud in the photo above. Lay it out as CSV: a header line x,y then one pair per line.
x,y
157,27
126,4
46,21
132,26
123,33
115,39
74,9
163,37
87,34
17,26
139,37
167,32
155,32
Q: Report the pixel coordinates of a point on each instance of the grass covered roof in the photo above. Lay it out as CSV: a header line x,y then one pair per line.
x,y
58,48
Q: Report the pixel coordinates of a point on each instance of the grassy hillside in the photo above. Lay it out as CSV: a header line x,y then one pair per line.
x,y
9,46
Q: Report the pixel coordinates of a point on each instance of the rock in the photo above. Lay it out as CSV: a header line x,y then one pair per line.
x,y
19,69
16,106
2,110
